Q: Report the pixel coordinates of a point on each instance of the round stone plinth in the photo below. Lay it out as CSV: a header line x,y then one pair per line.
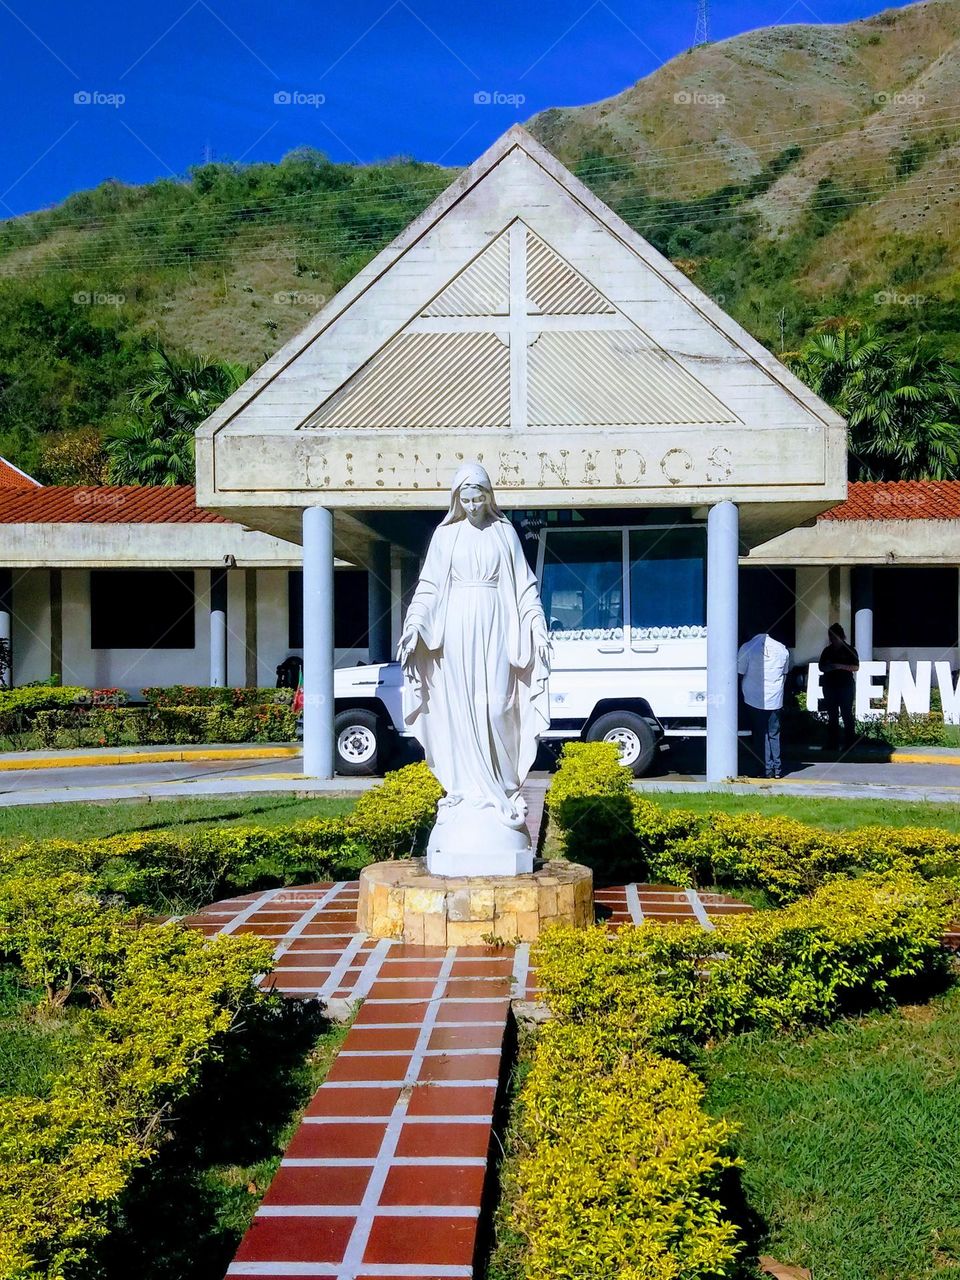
x,y
402,900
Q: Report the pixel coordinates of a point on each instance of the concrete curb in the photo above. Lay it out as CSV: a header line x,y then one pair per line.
x,y
15,761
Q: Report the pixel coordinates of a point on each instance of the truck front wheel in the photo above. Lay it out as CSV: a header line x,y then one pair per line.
x,y
631,733
361,743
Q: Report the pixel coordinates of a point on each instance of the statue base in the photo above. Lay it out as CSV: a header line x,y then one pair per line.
x,y
403,900
470,840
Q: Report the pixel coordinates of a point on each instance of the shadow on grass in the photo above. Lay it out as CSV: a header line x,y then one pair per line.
x,y
183,1216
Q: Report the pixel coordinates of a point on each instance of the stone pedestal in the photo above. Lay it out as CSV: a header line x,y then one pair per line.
x,y
402,900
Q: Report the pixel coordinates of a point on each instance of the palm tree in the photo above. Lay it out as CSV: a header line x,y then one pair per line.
x,y
147,451
901,402
156,447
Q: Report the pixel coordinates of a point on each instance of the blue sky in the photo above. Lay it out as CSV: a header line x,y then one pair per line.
x,y
93,89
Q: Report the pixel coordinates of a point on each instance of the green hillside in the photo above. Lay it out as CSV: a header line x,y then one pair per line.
x,y
797,174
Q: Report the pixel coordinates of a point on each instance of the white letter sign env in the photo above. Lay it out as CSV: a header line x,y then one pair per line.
x,y
905,690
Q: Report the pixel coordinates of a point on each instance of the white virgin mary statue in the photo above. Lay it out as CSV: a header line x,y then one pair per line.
x,y
475,653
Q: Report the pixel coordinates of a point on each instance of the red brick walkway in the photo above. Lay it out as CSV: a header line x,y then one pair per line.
x,y
386,1175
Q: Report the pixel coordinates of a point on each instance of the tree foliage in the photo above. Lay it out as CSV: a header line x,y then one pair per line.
x,y
901,400
177,394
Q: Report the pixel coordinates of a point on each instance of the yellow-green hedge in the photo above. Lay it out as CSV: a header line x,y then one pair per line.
x,y
675,985
169,1001
167,870
619,1165
615,830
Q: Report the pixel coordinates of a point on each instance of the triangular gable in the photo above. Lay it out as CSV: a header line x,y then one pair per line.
x,y
447,338
587,364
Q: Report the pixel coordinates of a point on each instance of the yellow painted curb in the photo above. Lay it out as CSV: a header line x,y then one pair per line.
x,y
179,756
925,759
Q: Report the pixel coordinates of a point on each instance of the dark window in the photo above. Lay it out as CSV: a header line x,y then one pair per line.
x,y
583,579
349,609
668,581
141,609
914,608
768,602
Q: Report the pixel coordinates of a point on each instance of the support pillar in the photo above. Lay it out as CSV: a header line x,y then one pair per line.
x,y
378,602
318,709
56,624
861,599
723,549
6,625
251,664
218,628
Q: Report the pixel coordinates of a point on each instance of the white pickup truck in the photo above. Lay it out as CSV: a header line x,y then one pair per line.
x,y
626,607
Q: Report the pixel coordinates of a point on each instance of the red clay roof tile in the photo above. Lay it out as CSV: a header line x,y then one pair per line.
x,y
104,504
12,477
899,500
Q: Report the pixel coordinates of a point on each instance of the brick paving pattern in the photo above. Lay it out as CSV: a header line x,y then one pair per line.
x,y
387,1174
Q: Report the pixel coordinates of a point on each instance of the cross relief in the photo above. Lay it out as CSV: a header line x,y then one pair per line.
x,y
521,327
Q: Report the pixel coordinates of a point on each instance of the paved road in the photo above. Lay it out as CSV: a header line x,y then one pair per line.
x,y
195,778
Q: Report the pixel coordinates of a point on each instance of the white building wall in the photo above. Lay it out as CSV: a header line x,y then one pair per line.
x,y
272,624
128,669
31,625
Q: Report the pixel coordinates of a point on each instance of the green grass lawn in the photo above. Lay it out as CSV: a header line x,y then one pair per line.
x,y
850,1141
84,820
835,815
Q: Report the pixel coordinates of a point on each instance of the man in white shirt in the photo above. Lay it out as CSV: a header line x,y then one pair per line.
x,y
763,662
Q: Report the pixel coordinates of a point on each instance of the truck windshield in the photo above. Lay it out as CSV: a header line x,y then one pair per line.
x,y
582,586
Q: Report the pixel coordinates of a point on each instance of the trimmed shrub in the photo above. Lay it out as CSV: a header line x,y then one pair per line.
x,y
183,695
28,699
619,1165
619,1168
171,870
620,833
590,800
96,726
673,985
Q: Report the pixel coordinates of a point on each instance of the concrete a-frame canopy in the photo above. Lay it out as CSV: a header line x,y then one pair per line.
x,y
519,320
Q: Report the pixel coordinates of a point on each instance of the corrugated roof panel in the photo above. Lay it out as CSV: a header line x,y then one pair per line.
x,y
426,380
556,288
612,377
482,289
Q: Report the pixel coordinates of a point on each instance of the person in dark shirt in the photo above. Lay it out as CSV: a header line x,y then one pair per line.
x,y
839,664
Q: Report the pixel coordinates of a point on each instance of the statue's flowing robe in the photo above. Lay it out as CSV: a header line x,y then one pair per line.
x,y
478,698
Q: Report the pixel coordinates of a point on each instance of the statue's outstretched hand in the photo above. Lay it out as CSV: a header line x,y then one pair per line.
x,y
407,648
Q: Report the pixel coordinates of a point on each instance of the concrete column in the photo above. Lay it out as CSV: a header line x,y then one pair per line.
x,y
218,628
861,601
251,667
378,602
723,545
56,624
6,624
318,711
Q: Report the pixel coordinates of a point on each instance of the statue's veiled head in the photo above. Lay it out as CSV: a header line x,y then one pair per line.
x,y
471,496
